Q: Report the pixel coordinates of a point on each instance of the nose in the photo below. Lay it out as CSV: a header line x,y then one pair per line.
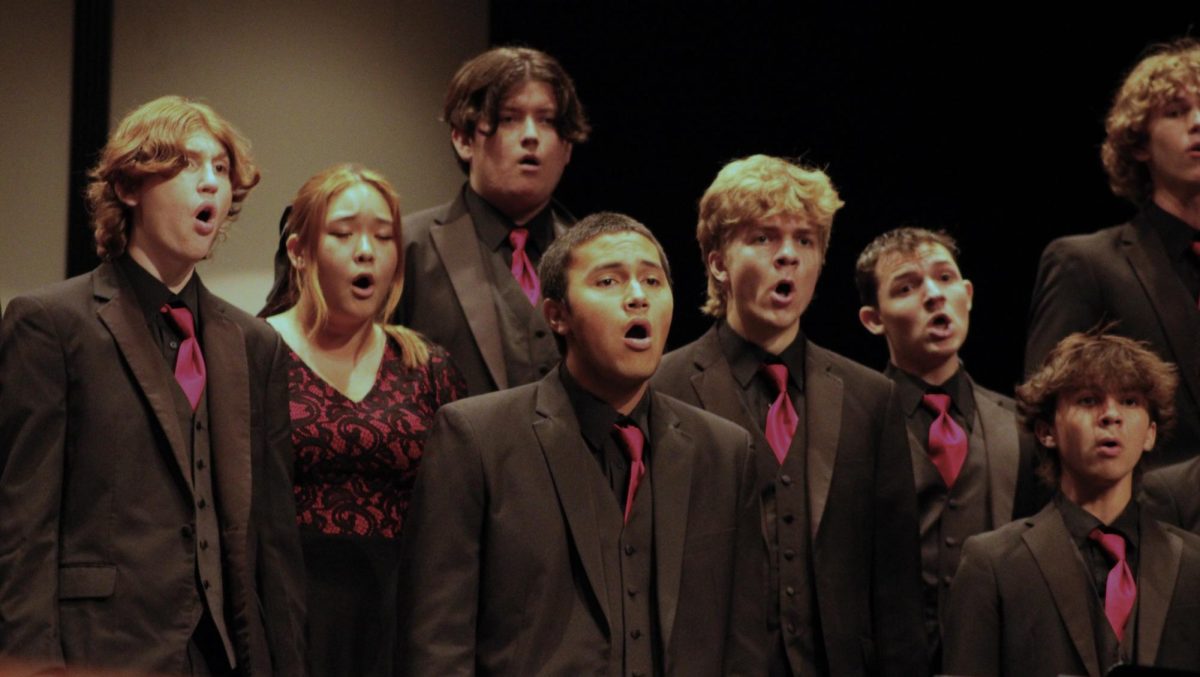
x,y
364,250
933,292
529,131
637,296
1112,412
787,254
208,178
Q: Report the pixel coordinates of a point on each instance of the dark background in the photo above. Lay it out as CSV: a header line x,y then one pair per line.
x,y
985,121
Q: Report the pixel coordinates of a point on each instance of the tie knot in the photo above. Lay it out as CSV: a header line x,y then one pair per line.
x,y
778,373
182,317
938,402
631,439
1113,544
517,237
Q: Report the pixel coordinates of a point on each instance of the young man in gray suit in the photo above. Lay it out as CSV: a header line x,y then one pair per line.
x,y
145,456
470,280
1093,579
834,472
587,524
972,461
1143,275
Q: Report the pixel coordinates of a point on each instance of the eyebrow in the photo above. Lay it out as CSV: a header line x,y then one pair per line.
x,y
620,265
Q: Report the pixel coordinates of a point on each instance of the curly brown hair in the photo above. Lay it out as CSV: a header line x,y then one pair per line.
x,y
752,190
148,142
1168,70
1099,360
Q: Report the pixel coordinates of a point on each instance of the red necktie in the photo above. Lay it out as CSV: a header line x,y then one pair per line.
x,y
1120,591
633,443
947,440
189,363
522,267
781,417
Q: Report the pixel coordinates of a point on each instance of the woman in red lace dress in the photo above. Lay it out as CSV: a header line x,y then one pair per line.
x,y
363,394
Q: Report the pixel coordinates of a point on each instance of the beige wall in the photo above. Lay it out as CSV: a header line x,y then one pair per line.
x,y
35,110
309,83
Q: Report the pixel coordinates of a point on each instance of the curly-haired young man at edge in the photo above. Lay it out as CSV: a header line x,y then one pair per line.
x,y
148,523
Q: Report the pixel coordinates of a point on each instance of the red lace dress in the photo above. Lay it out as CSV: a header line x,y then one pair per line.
x,y
355,467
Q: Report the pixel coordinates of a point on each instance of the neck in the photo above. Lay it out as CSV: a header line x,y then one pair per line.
x,y
769,339
174,277
619,396
347,340
1106,503
934,374
1183,206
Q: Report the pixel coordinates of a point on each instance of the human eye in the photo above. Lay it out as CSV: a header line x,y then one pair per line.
x,y
221,166
652,281
387,234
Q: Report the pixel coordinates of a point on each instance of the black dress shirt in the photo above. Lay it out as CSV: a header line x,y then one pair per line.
x,y
758,391
910,389
151,296
1177,238
596,420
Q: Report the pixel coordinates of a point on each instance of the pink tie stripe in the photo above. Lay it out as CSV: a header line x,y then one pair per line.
x,y
189,363
633,444
781,417
522,267
947,439
1120,591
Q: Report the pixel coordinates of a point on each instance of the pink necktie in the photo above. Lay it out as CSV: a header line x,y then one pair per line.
x,y
1120,590
633,442
781,417
189,363
522,267
947,440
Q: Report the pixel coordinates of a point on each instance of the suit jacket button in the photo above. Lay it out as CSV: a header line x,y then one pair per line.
x,y
186,531
203,544
789,518
629,550
789,554
786,480
947,580
951,541
635,633
540,333
791,592
207,584
791,628
201,503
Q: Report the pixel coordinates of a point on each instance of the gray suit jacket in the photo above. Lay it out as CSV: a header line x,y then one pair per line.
x,y
446,292
97,559
1172,494
1123,274
862,504
505,569
1019,603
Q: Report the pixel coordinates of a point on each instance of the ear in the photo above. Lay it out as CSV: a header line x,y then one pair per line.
x,y
570,146
1141,154
557,316
970,293
716,266
1151,437
1045,434
869,316
293,251
462,144
129,196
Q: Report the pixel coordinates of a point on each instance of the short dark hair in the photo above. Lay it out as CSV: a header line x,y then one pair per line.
x,y
1096,359
552,271
897,241
480,86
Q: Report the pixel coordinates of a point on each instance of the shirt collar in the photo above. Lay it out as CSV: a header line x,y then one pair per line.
x,y
910,389
152,294
746,359
596,417
1177,236
492,226
1080,523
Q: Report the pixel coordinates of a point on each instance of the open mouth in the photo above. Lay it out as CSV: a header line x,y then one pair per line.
x,y
206,221
529,161
941,326
363,285
637,336
205,214
782,292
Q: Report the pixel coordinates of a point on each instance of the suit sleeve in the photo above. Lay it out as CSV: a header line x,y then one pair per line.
x,y
1064,301
281,583
438,592
896,558
1159,499
745,647
33,432
971,635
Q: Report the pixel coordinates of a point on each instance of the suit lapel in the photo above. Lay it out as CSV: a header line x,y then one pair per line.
x,y
457,245
823,392
1167,295
716,388
1052,548
120,313
671,465
570,466
228,392
1003,454
1158,566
